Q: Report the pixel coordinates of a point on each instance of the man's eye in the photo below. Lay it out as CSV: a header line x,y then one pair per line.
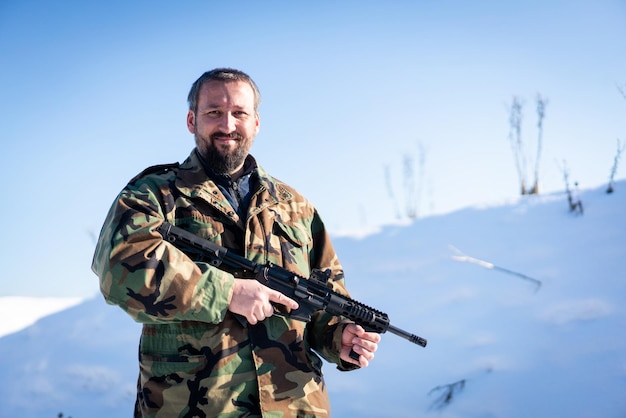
x,y
240,114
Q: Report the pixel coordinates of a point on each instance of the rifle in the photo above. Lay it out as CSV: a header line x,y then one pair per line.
x,y
312,294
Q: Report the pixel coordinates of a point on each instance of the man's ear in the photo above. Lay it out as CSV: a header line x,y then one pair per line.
x,y
258,123
191,121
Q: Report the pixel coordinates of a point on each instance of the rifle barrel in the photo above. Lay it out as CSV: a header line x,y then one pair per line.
x,y
407,335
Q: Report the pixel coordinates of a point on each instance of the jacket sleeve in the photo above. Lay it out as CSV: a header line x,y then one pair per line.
x,y
325,330
148,277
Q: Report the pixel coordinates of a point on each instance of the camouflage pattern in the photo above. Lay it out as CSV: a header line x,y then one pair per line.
x,y
196,358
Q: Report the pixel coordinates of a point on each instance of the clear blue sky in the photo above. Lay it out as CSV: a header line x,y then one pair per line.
x,y
94,92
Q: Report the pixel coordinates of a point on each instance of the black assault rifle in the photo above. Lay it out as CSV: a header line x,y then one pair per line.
x,y
312,294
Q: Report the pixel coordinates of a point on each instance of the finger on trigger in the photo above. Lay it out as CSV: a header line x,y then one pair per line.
x,y
284,300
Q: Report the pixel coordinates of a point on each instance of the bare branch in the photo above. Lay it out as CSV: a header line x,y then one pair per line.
x,y
390,192
413,180
409,186
542,102
622,90
447,393
515,138
575,204
463,257
616,159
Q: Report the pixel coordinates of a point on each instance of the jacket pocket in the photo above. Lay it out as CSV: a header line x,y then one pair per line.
x,y
208,226
166,383
293,244
176,367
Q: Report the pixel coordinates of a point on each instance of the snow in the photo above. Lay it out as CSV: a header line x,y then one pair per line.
x,y
498,345
18,312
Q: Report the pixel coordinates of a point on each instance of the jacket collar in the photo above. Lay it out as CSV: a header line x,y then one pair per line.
x,y
193,181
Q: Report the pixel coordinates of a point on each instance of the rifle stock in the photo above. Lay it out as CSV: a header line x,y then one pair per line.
x,y
312,294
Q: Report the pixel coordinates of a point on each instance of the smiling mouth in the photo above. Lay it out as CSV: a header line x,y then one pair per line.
x,y
224,143
226,137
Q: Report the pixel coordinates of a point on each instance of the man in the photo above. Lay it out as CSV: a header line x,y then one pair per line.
x,y
214,345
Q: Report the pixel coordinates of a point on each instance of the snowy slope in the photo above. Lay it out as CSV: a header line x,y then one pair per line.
x,y
18,312
503,346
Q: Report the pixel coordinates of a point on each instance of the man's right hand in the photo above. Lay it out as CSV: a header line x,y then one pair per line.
x,y
253,300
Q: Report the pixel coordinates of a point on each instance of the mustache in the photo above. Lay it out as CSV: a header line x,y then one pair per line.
x,y
220,135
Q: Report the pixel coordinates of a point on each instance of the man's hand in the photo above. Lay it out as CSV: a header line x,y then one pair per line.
x,y
254,301
363,343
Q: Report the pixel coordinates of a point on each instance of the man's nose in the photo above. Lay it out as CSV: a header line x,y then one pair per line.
x,y
228,122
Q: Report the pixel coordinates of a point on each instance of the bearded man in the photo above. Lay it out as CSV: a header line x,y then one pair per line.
x,y
213,344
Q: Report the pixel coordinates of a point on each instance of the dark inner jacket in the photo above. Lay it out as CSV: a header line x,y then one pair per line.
x,y
238,192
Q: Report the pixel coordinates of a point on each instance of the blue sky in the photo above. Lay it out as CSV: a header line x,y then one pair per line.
x,y
94,92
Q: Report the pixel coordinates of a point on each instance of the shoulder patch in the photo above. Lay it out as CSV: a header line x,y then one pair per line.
x,y
154,169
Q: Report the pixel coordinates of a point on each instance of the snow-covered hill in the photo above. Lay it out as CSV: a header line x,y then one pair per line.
x,y
18,312
499,344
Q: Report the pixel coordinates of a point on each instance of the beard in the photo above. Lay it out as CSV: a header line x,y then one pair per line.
x,y
223,161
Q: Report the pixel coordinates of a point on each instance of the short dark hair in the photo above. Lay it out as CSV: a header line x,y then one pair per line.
x,y
225,75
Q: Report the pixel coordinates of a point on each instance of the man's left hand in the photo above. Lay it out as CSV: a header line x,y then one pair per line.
x,y
363,343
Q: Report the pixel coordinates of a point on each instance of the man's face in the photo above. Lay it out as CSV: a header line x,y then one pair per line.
x,y
224,124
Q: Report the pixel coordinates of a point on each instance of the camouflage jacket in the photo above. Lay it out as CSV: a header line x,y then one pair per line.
x,y
196,358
